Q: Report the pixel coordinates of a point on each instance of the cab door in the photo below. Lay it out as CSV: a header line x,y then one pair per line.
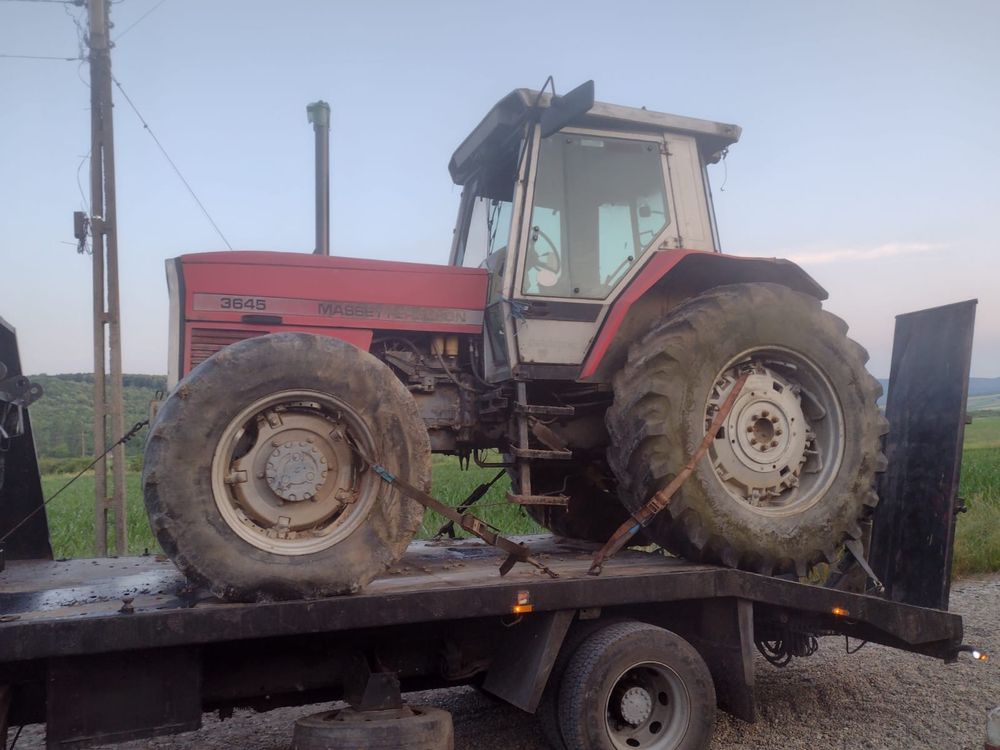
x,y
597,206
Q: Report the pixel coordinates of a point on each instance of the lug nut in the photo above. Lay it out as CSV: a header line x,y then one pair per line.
x,y
777,432
774,420
764,413
753,441
774,443
749,428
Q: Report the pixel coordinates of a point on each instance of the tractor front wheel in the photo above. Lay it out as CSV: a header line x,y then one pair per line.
x,y
254,479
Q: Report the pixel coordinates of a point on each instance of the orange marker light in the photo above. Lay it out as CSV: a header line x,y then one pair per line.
x,y
523,603
840,612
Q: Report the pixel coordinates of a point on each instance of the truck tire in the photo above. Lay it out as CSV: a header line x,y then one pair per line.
x,y
251,482
547,712
633,685
791,472
407,728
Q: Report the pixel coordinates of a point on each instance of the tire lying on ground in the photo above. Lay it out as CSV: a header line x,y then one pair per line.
x,y
252,482
791,471
406,728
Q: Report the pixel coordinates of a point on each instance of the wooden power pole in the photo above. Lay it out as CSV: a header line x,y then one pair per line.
x,y
108,403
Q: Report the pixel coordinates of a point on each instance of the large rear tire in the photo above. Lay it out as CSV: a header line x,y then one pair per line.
x,y
251,480
792,469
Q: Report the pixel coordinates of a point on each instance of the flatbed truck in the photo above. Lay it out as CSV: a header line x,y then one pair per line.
x,y
107,650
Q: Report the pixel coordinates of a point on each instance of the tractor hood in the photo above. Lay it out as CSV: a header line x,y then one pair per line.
x,y
219,298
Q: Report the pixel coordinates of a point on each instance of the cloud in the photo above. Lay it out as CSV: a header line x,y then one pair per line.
x,y
886,250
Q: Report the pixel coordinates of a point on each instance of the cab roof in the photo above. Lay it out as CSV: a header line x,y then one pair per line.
x,y
500,129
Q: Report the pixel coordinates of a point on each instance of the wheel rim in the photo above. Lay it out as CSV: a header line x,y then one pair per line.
x,y
648,707
782,443
284,475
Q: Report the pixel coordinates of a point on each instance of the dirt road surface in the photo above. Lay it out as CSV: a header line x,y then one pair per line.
x,y
875,699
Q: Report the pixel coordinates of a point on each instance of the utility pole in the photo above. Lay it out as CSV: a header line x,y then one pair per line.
x,y
108,403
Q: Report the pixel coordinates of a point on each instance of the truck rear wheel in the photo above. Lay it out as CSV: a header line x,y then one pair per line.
x,y
252,479
633,685
791,471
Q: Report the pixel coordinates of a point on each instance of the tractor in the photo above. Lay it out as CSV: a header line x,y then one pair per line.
x,y
584,336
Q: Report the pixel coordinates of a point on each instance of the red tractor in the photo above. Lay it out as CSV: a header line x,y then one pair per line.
x,y
584,336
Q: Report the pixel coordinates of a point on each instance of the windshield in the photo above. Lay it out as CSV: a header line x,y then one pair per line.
x,y
599,203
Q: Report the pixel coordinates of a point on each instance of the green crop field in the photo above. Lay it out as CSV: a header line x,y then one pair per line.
x,y
977,544
977,538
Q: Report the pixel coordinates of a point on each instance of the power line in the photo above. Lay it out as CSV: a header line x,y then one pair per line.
x,y
39,57
139,20
171,162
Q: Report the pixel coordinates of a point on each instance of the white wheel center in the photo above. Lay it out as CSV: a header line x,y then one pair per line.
x,y
760,451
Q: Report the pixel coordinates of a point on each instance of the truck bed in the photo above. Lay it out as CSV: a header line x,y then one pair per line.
x,y
69,607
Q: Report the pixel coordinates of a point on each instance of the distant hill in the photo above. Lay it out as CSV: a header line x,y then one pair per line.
x,y
984,393
984,387
62,420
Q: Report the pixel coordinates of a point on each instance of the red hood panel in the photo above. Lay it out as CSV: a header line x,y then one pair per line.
x,y
333,291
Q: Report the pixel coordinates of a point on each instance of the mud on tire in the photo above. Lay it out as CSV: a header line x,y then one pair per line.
x,y
250,482
806,429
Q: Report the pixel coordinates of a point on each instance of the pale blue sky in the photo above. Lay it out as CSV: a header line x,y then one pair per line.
x,y
869,151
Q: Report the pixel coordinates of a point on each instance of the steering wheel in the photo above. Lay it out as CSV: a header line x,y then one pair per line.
x,y
554,264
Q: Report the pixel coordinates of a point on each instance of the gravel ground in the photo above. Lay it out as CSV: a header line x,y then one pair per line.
x,y
878,698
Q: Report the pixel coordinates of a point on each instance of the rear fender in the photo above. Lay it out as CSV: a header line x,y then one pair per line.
x,y
668,279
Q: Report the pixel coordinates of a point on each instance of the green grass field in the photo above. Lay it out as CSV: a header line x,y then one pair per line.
x,y
71,515
977,543
977,537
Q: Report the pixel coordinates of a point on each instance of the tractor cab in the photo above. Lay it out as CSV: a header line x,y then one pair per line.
x,y
564,201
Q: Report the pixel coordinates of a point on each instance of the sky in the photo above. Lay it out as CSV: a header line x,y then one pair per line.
x,y
869,152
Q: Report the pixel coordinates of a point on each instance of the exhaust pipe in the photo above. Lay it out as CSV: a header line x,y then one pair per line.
x,y
319,116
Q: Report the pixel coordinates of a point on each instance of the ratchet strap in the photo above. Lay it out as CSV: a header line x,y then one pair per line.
x,y
516,552
661,499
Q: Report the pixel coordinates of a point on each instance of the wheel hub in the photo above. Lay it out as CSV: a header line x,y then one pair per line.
x,y
760,452
285,477
636,705
295,470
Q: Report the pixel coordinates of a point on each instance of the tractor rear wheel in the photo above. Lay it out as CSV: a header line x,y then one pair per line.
x,y
253,479
790,473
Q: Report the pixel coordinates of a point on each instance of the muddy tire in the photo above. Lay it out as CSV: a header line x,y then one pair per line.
x,y
636,685
592,512
791,472
250,481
